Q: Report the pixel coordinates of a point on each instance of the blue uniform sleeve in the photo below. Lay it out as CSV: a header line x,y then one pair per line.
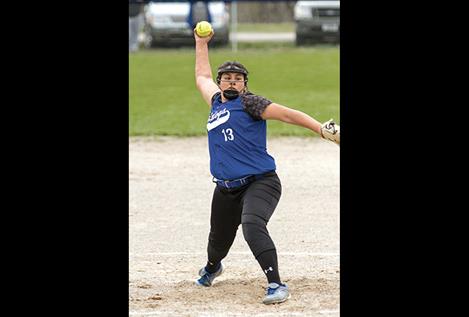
x,y
254,104
215,96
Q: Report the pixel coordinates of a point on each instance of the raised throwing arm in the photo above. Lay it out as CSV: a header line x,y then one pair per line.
x,y
203,72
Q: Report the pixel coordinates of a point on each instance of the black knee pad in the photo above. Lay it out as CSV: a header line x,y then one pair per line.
x,y
256,234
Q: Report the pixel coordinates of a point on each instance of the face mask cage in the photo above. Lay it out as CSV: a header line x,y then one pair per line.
x,y
232,68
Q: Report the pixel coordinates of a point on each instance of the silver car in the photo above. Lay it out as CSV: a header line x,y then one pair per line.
x,y
317,21
168,24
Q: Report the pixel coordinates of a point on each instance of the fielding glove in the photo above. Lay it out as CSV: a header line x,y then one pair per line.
x,y
331,131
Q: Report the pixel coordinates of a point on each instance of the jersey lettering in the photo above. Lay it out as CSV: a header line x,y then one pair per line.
x,y
217,118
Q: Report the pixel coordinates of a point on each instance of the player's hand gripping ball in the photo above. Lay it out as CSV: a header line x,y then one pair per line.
x,y
203,29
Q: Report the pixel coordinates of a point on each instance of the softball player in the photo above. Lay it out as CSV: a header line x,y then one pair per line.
x,y
247,187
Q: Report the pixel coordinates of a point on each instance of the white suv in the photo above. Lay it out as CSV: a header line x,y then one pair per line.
x,y
317,21
167,24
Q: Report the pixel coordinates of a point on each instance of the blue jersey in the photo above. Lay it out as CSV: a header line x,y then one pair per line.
x,y
237,137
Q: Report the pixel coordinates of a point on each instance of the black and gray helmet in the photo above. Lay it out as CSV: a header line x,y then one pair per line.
x,y
232,67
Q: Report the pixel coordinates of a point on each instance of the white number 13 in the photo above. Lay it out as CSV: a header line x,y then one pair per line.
x,y
228,134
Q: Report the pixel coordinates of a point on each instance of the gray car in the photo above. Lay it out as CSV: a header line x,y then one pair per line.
x,y
317,22
168,24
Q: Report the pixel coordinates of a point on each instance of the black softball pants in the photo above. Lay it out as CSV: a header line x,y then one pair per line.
x,y
250,205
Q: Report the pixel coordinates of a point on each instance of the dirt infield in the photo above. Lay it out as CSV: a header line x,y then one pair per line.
x,y
170,193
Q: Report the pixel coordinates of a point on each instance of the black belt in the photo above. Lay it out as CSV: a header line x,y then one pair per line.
x,y
241,181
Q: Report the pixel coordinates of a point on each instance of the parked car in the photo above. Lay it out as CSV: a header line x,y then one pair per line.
x,y
168,24
317,21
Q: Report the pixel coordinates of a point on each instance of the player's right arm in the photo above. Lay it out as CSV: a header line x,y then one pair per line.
x,y
203,72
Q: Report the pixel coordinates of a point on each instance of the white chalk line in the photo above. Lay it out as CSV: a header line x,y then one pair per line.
x,y
237,253
209,313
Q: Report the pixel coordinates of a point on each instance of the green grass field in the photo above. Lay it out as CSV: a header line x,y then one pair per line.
x,y
163,99
266,27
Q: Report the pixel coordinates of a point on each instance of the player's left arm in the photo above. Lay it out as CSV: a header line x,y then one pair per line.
x,y
327,130
276,111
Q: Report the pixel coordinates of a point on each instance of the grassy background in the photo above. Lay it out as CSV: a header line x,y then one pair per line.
x,y
266,27
163,99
